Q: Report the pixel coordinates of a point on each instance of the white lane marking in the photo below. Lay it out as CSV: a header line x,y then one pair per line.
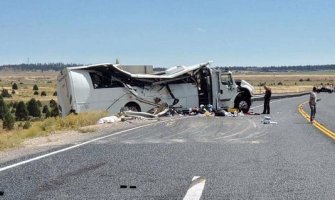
x,y
71,147
195,190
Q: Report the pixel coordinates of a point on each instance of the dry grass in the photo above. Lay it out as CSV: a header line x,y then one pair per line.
x,y
291,82
42,128
46,81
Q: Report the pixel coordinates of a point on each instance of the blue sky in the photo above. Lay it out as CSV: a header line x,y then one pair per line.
x,y
168,33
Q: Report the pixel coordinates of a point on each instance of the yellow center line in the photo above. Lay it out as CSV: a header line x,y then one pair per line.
x,y
319,126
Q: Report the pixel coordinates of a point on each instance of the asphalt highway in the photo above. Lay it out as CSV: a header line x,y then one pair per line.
x,y
226,157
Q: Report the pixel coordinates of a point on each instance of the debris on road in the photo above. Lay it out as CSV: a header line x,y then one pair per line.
x,y
252,113
139,114
164,110
267,120
110,119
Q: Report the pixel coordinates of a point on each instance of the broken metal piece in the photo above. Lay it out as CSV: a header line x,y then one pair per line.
x,y
139,114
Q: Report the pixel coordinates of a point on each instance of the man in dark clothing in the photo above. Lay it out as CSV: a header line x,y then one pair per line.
x,y
267,98
312,104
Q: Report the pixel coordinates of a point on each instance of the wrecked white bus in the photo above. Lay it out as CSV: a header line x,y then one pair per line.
x,y
111,87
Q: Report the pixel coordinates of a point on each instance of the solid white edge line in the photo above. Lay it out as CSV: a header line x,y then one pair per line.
x,y
71,147
196,188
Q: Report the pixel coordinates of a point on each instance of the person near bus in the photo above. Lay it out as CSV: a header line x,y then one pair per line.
x,y
267,98
312,104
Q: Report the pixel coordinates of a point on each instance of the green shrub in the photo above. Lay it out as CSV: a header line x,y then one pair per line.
x,y
21,112
35,87
26,125
33,108
45,109
3,108
14,86
5,93
8,121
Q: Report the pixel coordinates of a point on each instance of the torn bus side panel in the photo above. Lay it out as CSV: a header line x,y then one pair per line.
x,y
105,87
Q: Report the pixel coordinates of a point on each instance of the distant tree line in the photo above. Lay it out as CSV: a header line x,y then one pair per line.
x,y
38,66
282,68
48,66
271,68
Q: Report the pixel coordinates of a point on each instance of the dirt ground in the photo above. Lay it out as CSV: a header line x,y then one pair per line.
x,y
25,80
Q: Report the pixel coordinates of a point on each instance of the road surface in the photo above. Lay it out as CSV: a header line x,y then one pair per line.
x,y
190,158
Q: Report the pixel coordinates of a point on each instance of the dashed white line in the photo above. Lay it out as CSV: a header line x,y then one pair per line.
x,y
196,188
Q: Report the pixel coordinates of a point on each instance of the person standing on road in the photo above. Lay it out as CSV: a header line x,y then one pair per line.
x,y
312,104
267,98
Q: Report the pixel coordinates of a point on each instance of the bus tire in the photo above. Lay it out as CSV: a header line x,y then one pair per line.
x,y
242,103
133,107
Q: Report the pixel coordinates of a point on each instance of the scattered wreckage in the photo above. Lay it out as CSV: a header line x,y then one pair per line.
x,y
138,88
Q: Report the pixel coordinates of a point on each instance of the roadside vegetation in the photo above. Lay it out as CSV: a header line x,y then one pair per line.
x,y
28,108
23,130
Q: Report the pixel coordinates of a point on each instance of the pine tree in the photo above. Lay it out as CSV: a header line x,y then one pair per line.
x,y
3,108
14,104
21,112
43,93
45,109
39,103
47,114
35,87
14,86
53,103
5,93
33,108
8,121
54,112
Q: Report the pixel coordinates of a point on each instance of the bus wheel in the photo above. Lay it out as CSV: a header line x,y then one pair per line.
x,y
242,103
133,107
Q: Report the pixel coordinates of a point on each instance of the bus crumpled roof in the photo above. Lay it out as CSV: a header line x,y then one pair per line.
x,y
172,72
